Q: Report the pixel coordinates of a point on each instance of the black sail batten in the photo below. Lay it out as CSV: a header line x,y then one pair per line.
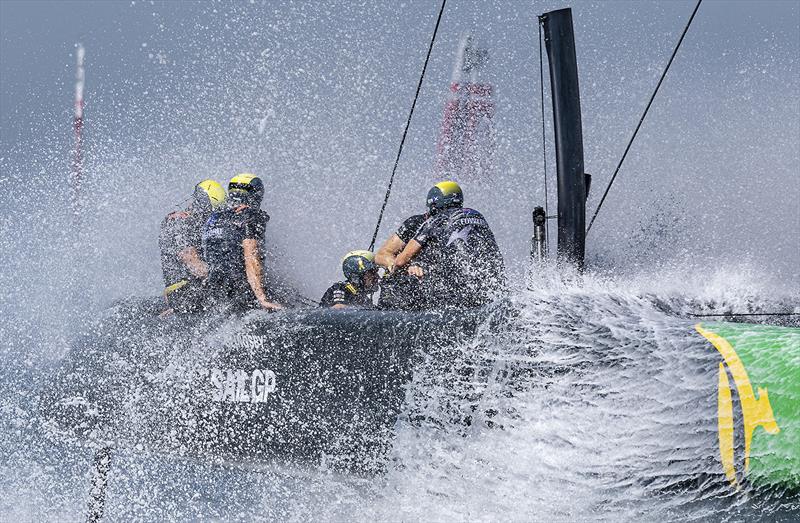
x,y
563,64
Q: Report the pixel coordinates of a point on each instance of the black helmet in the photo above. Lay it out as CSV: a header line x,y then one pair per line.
x,y
444,195
246,188
356,264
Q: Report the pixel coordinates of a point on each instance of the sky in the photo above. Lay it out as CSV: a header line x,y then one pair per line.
x,y
313,98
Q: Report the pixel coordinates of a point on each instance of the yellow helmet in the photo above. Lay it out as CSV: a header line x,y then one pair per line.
x,y
246,187
444,195
209,194
356,263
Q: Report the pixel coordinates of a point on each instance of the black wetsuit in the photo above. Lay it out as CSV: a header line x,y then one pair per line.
x,y
410,226
180,230
400,290
345,293
462,262
222,237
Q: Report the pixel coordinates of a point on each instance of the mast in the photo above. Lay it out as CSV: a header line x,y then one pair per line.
x,y
563,64
76,170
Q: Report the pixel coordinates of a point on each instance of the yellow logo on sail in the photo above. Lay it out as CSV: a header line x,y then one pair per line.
x,y
756,411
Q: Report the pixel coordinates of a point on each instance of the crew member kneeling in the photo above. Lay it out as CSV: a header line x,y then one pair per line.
x,y
361,275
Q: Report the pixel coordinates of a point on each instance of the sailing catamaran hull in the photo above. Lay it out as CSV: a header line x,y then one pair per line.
x,y
758,402
322,385
295,385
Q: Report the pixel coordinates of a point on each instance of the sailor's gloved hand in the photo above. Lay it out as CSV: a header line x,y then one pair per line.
x,y
416,270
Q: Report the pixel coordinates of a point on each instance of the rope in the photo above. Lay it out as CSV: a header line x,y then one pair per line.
x,y
544,130
747,314
405,132
307,300
639,125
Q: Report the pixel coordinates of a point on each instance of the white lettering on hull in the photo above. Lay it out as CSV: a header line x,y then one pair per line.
x,y
248,342
240,386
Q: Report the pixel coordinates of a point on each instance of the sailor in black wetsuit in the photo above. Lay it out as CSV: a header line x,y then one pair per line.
x,y
180,243
361,276
399,290
233,239
397,241
454,253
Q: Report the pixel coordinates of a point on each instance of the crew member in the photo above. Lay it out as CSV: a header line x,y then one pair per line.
x,y
180,243
361,281
454,252
397,241
233,239
399,290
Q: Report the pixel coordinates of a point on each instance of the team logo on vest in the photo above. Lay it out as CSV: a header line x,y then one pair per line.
x,y
240,386
462,234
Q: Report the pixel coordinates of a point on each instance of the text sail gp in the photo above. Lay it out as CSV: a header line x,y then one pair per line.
x,y
240,386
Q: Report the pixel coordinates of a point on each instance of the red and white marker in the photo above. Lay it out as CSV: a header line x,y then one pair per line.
x,y
76,172
466,140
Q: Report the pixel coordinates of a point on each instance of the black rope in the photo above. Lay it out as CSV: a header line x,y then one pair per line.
x,y
747,314
405,132
652,97
307,300
544,130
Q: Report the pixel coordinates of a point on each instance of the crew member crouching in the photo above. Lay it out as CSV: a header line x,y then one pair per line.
x,y
361,281
454,253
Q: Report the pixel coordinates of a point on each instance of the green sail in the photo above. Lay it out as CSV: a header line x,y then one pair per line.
x,y
759,402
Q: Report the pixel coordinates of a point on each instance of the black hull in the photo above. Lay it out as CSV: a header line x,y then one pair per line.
x,y
298,385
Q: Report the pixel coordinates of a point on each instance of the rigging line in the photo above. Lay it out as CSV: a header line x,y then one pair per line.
x,y
644,114
405,132
304,299
307,300
747,314
544,139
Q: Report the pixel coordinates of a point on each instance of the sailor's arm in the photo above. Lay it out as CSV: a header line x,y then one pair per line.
x,y
411,249
191,258
255,272
387,252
